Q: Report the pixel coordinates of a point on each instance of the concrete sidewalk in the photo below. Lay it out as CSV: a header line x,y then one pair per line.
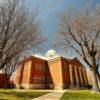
x,y
55,95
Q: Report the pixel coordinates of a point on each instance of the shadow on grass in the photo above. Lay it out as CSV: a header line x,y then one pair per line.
x,y
80,96
25,95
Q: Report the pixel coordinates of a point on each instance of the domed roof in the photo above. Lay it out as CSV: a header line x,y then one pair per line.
x,y
51,53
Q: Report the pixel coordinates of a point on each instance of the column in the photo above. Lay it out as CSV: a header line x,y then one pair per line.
x,y
77,78
85,77
19,73
71,75
81,76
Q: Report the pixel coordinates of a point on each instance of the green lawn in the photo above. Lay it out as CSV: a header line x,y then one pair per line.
x,y
80,95
20,94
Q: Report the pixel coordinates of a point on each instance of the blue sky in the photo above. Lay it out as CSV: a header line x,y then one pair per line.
x,y
48,17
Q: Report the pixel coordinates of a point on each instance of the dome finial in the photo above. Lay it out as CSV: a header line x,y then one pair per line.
x,y
51,53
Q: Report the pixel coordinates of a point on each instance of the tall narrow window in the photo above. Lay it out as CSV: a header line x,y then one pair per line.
x,y
39,79
35,78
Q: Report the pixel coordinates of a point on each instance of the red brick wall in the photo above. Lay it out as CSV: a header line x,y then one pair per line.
x,y
65,71
37,71
48,78
34,70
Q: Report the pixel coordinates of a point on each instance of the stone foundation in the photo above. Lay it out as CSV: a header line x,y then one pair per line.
x,y
30,86
59,87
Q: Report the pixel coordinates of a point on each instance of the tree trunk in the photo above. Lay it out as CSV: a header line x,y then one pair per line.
x,y
98,74
98,77
95,82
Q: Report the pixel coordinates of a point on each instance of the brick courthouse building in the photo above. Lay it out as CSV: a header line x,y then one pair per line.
x,y
51,72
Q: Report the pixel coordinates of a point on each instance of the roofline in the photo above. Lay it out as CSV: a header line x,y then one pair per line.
x,y
48,59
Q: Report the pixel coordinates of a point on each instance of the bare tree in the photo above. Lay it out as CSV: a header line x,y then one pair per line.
x,y
81,32
19,32
9,70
